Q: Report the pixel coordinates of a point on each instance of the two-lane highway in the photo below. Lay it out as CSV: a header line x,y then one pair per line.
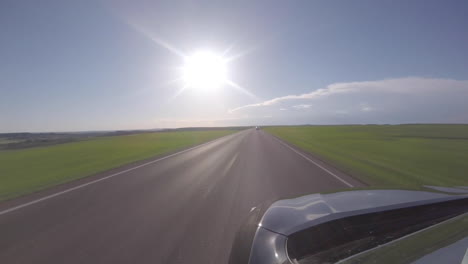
x,y
185,208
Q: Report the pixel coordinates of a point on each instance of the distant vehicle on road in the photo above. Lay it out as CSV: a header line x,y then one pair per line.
x,y
257,128
355,227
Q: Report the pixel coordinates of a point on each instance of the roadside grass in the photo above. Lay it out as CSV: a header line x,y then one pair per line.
x,y
402,156
27,170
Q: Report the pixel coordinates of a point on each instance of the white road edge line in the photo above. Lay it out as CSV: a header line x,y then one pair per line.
x,y
102,179
231,162
315,163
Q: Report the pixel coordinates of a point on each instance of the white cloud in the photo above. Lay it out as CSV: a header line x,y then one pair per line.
x,y
366,108
241,120
202,122
302,106
411,99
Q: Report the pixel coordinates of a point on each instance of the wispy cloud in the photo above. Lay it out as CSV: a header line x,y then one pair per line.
x,y
410,85
302,106
366,108
208,122
389,100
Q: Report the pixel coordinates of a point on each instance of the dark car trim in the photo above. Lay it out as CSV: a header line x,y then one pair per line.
x,y
267,238
291,215
369,229
242,245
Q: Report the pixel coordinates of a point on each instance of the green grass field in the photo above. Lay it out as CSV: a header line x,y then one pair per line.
x,y
8,141
407,156
28,170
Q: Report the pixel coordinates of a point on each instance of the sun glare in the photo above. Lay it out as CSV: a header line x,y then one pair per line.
x,y
204,70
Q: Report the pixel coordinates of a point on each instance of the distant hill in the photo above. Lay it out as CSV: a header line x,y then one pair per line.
x,y
29,140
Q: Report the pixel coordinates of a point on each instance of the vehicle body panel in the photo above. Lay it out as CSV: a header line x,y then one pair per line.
x,y
285,218
290,215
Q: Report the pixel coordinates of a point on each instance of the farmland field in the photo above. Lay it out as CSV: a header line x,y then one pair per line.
x,y
27,170
388,155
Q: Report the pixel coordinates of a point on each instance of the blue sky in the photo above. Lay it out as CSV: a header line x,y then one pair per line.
x,y
101,65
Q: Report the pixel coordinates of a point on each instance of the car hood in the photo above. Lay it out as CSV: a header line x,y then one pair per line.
x,y
290,215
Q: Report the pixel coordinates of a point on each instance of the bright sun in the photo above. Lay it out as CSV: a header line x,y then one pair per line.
x,y
204,70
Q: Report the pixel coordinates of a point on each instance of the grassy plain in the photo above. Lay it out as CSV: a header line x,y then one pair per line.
x,y
406,156
27,170
8,141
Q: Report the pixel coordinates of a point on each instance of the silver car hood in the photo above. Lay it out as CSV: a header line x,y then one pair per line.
x,y
288,216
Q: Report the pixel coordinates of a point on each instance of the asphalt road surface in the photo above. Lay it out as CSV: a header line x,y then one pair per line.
x,y
184,208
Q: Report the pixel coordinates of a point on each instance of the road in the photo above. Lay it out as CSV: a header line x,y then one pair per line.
x,y
184,208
